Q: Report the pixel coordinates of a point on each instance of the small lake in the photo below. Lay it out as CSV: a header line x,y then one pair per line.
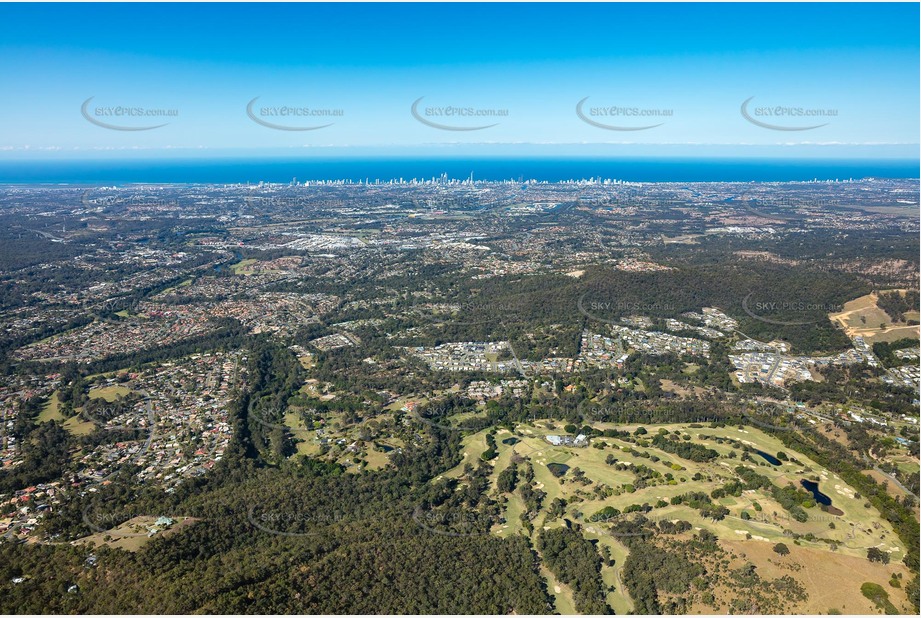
x,y
813,488
768,458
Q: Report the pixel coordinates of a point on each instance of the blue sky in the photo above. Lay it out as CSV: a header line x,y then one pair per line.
x,y
853,68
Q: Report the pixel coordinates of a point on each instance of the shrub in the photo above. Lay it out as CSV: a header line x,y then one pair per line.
x,y
879,596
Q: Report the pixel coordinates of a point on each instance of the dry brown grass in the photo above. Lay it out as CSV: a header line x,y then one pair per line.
x,y
131,535
832,580
861,317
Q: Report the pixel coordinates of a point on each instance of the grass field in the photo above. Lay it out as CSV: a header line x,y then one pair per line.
x,y
78,427
109,393
832,579
474,446
513,510
906,463
242,267
75,425
52,410
376,459
167,291
306,445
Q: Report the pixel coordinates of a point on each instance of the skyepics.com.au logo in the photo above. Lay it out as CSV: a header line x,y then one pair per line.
x,y
760,310
101,198
285,522
291,117
448,115
273,203
611,113
136,417
438,415
778,117
630,412
600,307
111,307
456,522
772,417
768,209
272,417
471,312
592,412
125,117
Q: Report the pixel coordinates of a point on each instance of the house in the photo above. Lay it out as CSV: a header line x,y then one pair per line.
x,y
161,524
579,440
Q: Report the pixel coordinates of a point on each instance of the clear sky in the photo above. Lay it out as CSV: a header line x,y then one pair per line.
x,y
853,68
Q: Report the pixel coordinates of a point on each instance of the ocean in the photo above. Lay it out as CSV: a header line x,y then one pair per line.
x,y
277,170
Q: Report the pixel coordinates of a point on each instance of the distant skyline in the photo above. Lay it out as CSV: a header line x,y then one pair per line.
x,y
798,80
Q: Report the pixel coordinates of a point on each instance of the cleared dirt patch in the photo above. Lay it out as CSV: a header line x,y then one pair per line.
x,y
862,317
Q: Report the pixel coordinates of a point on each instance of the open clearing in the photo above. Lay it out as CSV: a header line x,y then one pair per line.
x,y
832,580
134,533
861,317
52,410
242,267
306,445
345,443
75,425
109,393
78,427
